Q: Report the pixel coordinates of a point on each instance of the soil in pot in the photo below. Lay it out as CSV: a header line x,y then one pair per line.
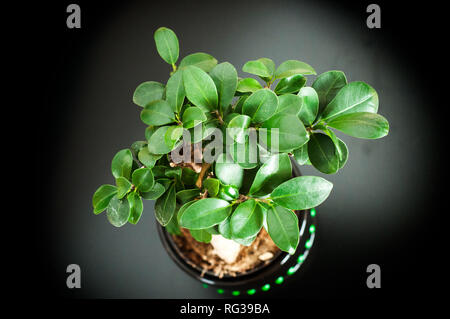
x,y
200,255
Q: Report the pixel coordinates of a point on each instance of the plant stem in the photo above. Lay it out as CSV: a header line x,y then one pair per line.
x,y
205,167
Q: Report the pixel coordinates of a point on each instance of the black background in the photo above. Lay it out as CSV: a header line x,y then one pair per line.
x,y
386,207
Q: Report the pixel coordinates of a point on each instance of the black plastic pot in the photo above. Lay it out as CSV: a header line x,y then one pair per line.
x,y
262,278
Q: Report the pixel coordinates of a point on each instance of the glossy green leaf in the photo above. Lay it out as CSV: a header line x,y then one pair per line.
x,y
272,173
361,125
323,153
344,153
327,85
200,88
147,158
244,154
261,105
102,196
247,220
285,129
258,68
201,235
282,226
225,78
136,207
156,192
245,241
290,84
121,164
187,195
165,206
201,60
302,192
173,228
157,143
137,146
183,209
309,105
212,185
301,155
123,187
172,136
237,127
224,228
270,65
228,192
148,92
205,213
228,172
193,116
213,230
118,211
167,44
238,107
248,85
149,131
188,176
143,180
175,93
289,104
355,97
292,67
157,113
173,172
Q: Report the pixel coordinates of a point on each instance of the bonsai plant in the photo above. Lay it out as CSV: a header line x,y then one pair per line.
x,y
218,150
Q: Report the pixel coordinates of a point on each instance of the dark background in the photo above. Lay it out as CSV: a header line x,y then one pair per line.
x,y
384,206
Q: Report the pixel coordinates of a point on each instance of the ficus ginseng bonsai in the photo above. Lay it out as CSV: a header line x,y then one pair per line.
x,y
238,182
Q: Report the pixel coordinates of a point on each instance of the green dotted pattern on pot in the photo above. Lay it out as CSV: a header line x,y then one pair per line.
x,y
282,277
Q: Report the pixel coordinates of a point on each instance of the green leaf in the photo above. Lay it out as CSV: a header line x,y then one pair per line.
x,y
238,107
293,67
245,241
155,192
167,44
270,65
225,78
149,132
172,136
175,93
157,113
248,85
173,228
173,172
148,92
228,172
323,153
213,230
224,228
289,104
137,146
228,192
157,143
361,125
282,227
309,105
183,209
237,127
201,60
188,176
258,68
201,235
288,130
121,164
136,207
290,84
344,153
261,105
165,206
147,158
123,187
244,154
193,116
205,213
302,192
327,85
102,196
118,211
301,155
212,186
272,173
143,180
187,195
247,219
200,88
355,97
